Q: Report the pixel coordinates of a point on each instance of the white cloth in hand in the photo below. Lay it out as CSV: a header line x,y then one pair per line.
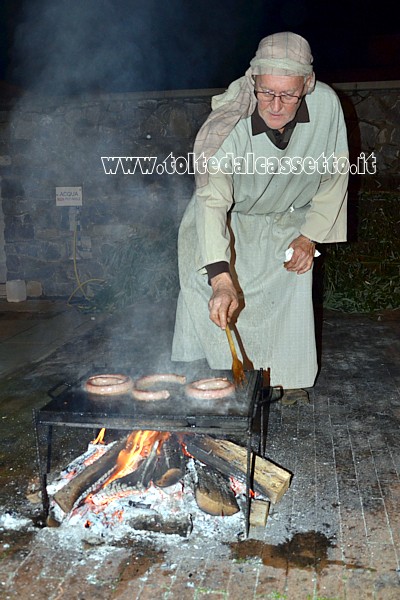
x,y
289,254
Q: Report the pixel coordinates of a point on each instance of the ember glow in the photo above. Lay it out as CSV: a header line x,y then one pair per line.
x,y
99,501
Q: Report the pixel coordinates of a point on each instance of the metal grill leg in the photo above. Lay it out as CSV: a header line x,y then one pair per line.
x,y
248,481
43,465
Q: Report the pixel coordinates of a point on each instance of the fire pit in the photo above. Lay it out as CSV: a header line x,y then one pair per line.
x,y
232,417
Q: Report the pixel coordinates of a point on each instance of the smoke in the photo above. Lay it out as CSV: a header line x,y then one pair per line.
x,y
72,46
69,47
63,49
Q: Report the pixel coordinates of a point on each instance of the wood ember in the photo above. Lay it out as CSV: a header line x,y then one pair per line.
x,y
180,525
170,467
70,493
213,493
268,479
141,477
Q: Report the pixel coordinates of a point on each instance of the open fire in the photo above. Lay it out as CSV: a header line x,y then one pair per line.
x,y
151,480
139,446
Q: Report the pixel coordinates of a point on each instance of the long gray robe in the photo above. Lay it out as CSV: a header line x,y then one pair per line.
x,y
267,212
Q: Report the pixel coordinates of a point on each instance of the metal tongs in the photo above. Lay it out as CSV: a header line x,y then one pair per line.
x,y
237,365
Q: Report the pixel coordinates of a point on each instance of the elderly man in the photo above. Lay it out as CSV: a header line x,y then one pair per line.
x,y
272,188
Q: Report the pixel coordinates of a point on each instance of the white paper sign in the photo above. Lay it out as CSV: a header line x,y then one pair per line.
x,y
69,196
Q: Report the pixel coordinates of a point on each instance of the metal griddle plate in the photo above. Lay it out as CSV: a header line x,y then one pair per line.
x,y
75,407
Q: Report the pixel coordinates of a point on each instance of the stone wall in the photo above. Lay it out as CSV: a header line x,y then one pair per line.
x,y
49,142
60,142
372,113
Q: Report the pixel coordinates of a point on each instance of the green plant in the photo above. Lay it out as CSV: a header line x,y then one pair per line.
x,y
364,275
141,267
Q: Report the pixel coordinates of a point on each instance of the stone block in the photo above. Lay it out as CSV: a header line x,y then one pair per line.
x,y
54,251
34,289
15,206
18,228
179,123
11,188
12,261
16,290
154,127
369,134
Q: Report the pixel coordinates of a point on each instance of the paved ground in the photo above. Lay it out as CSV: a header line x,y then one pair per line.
x,y
335,534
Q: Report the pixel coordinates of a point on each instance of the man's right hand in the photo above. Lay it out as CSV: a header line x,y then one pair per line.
x,y
224,300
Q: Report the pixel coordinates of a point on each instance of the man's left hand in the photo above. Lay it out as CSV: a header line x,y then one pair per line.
x,y
303,255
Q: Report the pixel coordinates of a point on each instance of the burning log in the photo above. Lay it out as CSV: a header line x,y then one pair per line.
x,y
132,462
170,467
67,496
213,493
141,477
229,458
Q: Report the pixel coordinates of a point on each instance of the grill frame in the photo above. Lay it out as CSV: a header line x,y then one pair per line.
x,y
74,407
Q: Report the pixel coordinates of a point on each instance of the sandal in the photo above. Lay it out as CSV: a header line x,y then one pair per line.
x,y
292,397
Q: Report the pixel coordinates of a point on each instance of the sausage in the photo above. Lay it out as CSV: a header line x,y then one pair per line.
x,y
109,384
150,395
210,389
140,393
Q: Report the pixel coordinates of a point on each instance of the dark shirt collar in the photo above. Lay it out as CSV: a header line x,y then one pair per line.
x,y
258,125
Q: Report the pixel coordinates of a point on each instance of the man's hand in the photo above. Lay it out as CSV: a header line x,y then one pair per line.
x,y
303,255
224,300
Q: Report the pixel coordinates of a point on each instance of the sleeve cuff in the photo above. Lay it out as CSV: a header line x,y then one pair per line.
x,y
216,268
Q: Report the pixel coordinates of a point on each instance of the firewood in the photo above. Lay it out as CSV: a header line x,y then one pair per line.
x,y
169,478
259,510
268,478
213,493
67,496
181,525
170,467
141,477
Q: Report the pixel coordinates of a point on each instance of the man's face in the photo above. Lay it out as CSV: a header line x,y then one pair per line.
x,y
275,113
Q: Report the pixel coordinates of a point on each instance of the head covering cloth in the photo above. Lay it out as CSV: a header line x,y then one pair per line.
x,y
286,54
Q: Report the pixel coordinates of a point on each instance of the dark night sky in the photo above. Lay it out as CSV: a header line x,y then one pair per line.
x,y
70,46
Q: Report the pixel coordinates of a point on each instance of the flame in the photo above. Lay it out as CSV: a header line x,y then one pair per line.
x,y
183,446
239,487
138,446
100,437
186,451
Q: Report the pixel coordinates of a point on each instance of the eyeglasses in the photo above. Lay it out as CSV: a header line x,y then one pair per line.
x,y
269,96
